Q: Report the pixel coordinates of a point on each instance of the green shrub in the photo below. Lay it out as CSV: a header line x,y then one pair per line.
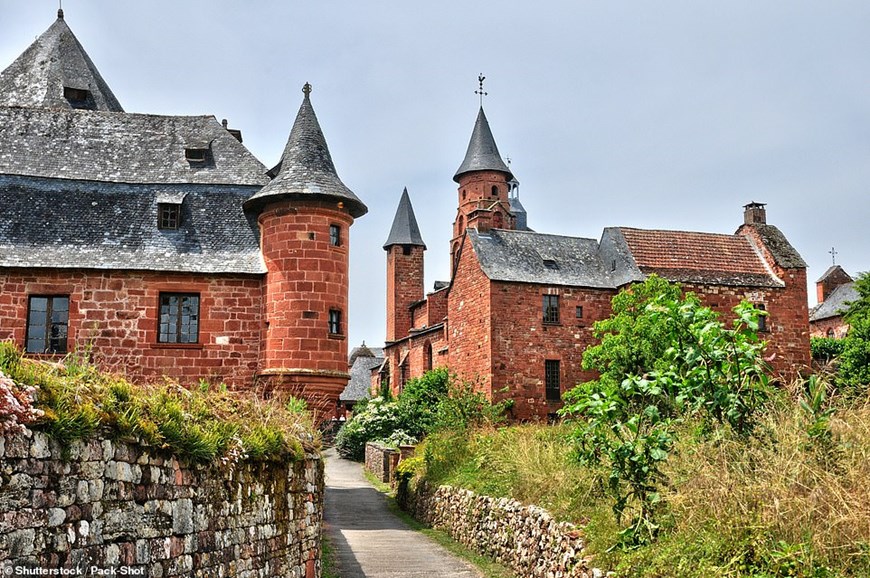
x,y
824,349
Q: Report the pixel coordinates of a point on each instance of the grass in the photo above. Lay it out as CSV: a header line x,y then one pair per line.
x,y
487,567
784,504
327,558
201,424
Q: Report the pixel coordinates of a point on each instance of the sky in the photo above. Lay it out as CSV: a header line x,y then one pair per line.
x,y
661,115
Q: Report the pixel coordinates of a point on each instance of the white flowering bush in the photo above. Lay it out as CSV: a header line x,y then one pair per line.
x,y
16,406
376,420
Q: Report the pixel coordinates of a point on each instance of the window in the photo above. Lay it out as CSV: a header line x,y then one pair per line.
x,y
551,309
335,322
47,321
77,97
335,235
552,380
551,264
179,318
406,249
830,333
195,155
168,216
494,191
579,312
762,319
427,356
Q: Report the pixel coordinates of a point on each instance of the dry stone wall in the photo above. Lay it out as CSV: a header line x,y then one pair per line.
x,y
114,508
526,539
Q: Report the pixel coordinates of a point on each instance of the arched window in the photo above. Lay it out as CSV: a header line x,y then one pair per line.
x,y
494,191
830,332
427,356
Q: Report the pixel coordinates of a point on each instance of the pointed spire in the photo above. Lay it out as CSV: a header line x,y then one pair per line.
x,y
56,72
482,153
404,230
306,168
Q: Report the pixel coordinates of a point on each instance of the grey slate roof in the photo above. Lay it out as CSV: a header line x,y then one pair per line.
x,y
121,148
85,224
55,60
520,257
405,230
836,304
359,385
785,255
306,168
482,153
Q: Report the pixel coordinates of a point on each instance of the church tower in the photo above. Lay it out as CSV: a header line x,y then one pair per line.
x,y
404,249
484,184
304,216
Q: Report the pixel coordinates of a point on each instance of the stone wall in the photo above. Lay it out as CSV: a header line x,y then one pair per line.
x,y
526,539
108,504
379,461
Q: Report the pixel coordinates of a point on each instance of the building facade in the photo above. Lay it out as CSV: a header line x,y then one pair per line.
x,y
518,310
160,244
835,290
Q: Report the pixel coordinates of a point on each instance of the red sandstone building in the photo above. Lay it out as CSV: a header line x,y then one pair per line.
x,y
835,290
160,241
518,311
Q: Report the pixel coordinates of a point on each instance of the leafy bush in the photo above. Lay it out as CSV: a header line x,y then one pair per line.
x,y
825,349
376,420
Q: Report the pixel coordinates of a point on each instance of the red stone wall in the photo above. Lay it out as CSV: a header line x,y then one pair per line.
x,y
522,342
307,277
404,287
835,324
437,306
116,312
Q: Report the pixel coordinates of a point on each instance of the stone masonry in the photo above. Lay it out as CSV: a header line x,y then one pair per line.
x,y
117,505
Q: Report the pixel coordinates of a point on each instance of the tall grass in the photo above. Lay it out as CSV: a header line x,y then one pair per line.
x,y
781,504
202,424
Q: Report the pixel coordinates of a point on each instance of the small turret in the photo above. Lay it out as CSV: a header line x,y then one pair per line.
x,y
404,247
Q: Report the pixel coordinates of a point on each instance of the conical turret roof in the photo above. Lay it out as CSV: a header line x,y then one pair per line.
x,y
306,168
56,62
404,230
482,153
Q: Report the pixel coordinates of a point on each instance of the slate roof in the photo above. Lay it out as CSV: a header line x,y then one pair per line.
x,y
692,257
520,256
359,385
836,304
87,224
405,230
482,153
122,148
55,60
306,168
785,255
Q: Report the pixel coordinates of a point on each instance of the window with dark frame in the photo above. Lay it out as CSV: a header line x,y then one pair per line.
x,y
579,312
551,309
196,155
552,380
168,216
47,323
179,318
335,322
762,319
335,235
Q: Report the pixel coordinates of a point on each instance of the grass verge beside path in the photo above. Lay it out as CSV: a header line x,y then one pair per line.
x,y
487,567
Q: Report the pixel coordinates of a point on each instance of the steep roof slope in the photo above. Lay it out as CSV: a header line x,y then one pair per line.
x,y
54,62
405,230
836,304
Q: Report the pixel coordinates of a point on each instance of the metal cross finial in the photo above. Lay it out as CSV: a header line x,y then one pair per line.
x,y
480,79
60,8
833,252
306,89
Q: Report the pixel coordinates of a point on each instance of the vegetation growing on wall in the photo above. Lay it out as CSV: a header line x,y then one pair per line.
x,y
76,401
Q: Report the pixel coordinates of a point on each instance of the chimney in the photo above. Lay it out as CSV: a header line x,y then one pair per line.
x,y
754,214
235,132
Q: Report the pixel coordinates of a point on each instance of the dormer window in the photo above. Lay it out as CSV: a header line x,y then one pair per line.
x,y
551,264
77,97
169,209
168,216
196,154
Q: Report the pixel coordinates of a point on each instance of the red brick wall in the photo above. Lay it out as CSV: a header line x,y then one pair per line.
x,y
522,342
117,313
404,287
307,277
835,324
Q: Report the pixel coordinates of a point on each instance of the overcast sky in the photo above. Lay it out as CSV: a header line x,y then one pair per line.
x,y
666,114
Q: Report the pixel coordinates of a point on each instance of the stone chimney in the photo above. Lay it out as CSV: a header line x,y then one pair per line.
x,y
754,214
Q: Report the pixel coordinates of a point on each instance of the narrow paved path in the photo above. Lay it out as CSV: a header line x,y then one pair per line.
x,y
369,541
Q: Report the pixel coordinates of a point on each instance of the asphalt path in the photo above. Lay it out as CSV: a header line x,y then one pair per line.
x,y
370,541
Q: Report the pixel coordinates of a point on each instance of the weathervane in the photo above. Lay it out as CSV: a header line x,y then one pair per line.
x,y
833,252
480,79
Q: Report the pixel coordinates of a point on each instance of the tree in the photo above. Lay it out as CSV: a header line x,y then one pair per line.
x,y
662,356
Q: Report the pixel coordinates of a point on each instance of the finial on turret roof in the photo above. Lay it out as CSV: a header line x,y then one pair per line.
x,y
480,79
60,9
307,89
